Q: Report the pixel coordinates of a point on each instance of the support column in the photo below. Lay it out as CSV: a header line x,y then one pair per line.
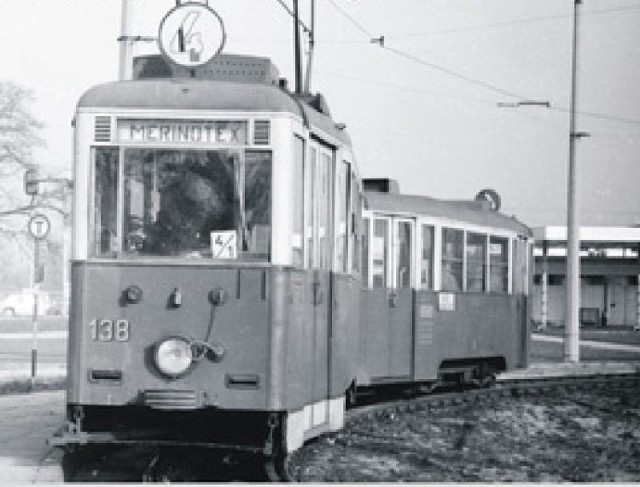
x,y
544,304
638,303
638,292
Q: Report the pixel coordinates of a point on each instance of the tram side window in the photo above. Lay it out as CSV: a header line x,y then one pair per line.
x,y
498,265
297,244
452,258
105,225
404,252
476,262
342,203
325,207
255,220
366,235
356,210
380,253
309,198
426,263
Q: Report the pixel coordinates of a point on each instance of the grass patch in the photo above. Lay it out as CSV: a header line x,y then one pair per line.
x,y
24,386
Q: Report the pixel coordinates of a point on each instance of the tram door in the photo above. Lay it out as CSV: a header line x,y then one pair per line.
x,y
401,298
387,304
318,209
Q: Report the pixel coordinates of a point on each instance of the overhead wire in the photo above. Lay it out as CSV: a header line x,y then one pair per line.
x,y
511,23
306,29
353,21
454,74
601,116
381,41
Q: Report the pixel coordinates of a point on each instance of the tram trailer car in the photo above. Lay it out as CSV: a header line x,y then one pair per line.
x,y
445,290
215,283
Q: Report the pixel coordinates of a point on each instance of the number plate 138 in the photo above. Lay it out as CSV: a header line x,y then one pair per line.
x,y
109,330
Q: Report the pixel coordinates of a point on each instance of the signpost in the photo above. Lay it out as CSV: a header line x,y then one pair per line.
x,y
39,227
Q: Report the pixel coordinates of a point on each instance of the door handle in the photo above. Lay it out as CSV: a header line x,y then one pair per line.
x,y
393,298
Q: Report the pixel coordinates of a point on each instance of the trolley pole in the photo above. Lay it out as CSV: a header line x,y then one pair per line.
x,y
296,41
572,322
312,43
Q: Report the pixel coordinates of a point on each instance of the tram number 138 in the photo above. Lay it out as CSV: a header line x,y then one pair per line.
x,y
109,330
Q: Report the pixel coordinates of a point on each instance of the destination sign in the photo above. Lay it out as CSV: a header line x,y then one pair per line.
x,y
205,132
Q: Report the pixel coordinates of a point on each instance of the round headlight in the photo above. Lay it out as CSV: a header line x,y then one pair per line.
x,y
174,356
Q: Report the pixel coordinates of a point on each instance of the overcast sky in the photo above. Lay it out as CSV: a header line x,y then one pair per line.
x,y
423,109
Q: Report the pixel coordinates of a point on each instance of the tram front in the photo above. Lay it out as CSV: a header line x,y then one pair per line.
x,y
177,304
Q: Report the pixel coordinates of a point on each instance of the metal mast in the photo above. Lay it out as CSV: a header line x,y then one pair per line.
x,y
572,324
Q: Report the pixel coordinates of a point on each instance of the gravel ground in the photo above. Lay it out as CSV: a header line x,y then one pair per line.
x,y
557,437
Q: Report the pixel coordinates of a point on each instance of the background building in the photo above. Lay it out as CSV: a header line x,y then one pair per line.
x,y
609,270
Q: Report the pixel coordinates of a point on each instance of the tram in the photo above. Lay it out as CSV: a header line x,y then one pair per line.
x,y
235,283
445,290
215,284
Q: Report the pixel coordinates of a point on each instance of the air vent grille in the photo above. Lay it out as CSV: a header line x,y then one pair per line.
x,y
170,399
262,132
102,129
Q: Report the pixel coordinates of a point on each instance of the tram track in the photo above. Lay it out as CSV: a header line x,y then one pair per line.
x,y
360,418
361,421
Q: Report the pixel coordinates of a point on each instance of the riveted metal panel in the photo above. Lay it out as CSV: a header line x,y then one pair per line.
x,y
241,325
424,364
401,333
375,340
345,325
479,326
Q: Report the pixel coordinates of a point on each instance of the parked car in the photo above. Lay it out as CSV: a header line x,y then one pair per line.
x,y
21,304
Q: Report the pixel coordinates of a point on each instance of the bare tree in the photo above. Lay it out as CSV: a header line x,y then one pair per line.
x,y
19,135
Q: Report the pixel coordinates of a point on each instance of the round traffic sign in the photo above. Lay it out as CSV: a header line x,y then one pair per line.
x,y
39,226
191,34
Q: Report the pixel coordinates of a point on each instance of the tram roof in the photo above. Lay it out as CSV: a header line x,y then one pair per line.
x,y
462,211
205,95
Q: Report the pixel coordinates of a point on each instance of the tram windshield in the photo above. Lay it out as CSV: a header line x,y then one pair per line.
x,y
182,203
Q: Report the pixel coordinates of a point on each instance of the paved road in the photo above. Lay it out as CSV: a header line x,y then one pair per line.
x,y
27,420
590,343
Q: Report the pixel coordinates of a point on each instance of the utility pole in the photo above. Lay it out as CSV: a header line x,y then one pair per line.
x,y
125,71
572,320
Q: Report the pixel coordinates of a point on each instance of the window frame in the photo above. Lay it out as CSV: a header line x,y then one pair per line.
x,y
120,253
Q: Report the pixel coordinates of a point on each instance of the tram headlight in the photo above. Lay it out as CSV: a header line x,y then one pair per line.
x,y
174,356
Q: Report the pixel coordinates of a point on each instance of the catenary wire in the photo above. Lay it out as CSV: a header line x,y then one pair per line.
x,y
381,42
291,13
510,23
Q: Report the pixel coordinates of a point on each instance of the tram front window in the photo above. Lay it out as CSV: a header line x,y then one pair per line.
x,y
187,203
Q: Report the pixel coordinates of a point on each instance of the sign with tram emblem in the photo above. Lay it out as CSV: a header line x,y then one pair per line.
x,y
224,244
191,34
39,226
